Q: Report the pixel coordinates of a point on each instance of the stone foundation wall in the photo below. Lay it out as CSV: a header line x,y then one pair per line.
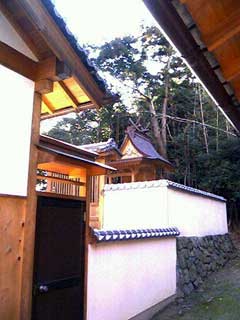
x,y
198,257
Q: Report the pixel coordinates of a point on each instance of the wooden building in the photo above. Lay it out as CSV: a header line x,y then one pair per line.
x,y
207,35
135,160
43,73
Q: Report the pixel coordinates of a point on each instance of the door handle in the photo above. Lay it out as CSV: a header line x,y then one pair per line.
x,y
43,289
46,287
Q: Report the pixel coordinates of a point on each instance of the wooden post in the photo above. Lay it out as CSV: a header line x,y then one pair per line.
x,y
87,242
30,218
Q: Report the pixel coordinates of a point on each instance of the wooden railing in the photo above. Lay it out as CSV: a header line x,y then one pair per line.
x,y
58,183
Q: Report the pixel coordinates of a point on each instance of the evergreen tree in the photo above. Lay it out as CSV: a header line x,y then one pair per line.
x,y
159,93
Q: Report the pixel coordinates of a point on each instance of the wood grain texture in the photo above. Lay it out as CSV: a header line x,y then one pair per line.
x,y
56,41
12,211
30,217
18,62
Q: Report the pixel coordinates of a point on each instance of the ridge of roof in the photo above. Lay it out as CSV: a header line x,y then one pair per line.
x,y
81,52
103,146
161,183
142,142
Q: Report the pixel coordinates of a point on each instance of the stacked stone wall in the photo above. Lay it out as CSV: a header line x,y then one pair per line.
x,y
198,257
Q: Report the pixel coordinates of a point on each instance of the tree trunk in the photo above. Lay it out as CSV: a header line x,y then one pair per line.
x,y
161,147
165,104
203,121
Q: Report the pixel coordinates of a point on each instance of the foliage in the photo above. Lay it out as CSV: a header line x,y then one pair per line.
x,y
159,93
92,126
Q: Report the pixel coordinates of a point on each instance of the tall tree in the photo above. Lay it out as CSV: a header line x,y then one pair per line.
x,y
149,68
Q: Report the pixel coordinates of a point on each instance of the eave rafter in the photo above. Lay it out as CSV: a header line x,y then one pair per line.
x,y
48,104
18,29
232,70
224,31
43,73
40,18
171,21
50,45
69,94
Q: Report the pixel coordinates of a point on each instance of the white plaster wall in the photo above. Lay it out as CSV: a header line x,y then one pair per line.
x,y
9,36
195,215
126,278
16,106
156,205
135,208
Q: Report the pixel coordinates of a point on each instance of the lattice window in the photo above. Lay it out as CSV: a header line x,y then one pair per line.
x,y
58,183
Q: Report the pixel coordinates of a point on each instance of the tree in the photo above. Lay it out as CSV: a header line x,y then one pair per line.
x,y
130,60
92,126
159,93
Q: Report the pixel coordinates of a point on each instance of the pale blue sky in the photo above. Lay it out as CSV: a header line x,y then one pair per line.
x,y
98,21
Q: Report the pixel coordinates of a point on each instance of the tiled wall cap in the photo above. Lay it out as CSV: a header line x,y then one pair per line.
x,y
133,234
160,183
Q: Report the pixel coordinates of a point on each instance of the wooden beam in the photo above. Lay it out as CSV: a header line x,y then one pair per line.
x,y
61,47
62,71
86,106
70,95
61,112
18,29
44,86
53,69
50,68
48,104
18,62
224,31
231,69
169,19
45,157
47,69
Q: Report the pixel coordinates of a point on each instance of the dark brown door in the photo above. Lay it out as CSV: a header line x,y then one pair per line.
x,y
59,260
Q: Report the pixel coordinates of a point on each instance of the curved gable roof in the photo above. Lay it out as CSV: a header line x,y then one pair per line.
x,y
143,145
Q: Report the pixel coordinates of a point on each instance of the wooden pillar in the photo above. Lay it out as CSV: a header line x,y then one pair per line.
x,y
30,218
87,242
132,175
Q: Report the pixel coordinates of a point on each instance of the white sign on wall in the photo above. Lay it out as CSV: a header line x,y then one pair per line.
x,y
16,106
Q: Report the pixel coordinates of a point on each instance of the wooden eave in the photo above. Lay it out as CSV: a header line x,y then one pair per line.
x,y
207,34
66,147
138,161
60,71
48,154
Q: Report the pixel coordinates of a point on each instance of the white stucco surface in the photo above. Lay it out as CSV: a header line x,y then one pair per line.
x,y
156,204
135,208
195,215
126,278
16,106
9,36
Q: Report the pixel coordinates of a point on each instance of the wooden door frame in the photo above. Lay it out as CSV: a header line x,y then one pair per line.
x,y
29,224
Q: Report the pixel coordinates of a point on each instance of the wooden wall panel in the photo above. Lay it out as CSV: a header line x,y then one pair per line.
x,y
12,211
